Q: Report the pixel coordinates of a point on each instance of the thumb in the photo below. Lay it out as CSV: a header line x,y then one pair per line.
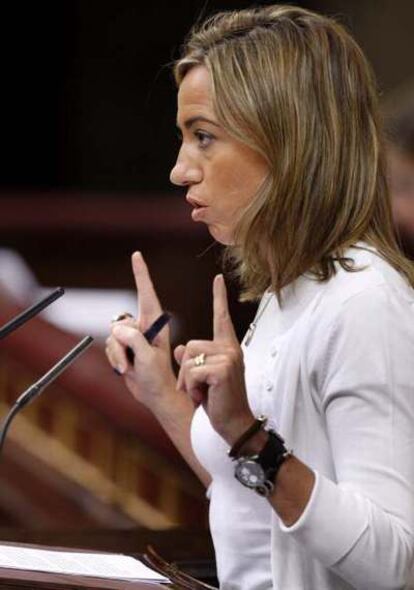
x,y
179,353
222,325
129,336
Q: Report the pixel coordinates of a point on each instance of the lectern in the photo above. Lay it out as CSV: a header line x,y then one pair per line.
x,y
13,578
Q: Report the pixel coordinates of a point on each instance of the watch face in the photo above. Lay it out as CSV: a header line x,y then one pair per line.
x,y
250,473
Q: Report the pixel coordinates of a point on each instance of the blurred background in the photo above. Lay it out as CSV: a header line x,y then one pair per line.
x,y
88,139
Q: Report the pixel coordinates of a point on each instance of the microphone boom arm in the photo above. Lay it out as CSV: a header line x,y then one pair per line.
x,y
36,389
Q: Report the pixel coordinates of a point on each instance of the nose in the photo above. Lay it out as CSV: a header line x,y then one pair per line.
x,y
185,171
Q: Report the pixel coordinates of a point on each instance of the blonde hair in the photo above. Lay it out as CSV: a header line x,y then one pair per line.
x,y
294,86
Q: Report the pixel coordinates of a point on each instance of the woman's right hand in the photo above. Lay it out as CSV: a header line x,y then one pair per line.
x,y
151,379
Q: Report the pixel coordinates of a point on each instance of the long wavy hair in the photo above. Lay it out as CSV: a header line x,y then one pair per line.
x,y
295,86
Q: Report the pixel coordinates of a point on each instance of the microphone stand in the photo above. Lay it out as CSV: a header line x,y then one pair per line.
x,y
36,388
30,312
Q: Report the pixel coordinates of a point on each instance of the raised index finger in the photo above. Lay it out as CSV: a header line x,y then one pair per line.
x,y
148,303
222,325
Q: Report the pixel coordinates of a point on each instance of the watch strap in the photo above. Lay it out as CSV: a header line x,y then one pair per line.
x,y
273,453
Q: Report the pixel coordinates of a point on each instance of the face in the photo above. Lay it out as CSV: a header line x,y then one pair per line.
x,y
221,174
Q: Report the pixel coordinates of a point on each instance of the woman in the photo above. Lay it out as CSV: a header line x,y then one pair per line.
x,y
281,159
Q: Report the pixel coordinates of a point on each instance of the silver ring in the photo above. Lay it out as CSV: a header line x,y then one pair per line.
x,y
200,359
122,316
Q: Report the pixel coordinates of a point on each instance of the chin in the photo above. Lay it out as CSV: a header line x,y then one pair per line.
x,y
225,240
221,235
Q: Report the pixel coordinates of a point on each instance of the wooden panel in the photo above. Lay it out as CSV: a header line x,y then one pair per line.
x,y
84,452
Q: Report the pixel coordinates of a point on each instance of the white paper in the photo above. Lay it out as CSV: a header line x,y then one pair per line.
x,y
101,565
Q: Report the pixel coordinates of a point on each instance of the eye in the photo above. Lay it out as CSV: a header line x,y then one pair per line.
x,y
204,138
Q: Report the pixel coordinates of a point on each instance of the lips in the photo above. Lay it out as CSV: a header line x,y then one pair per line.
x,y
198,214
194,202
199,208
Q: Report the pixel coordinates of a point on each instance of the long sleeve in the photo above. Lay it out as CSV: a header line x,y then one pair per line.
x,y
361,363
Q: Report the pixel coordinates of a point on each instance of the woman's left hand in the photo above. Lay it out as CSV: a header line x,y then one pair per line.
x,y
218,382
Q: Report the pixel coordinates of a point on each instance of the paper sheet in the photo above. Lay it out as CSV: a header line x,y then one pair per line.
x,y
101,565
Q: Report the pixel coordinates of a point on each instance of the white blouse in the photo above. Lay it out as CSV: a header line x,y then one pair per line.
x,y
333,369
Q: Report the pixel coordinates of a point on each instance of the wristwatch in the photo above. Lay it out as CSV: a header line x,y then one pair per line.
x,y
258,472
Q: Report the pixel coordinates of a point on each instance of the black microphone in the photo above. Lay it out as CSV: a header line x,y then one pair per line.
x,y
36,389
31,311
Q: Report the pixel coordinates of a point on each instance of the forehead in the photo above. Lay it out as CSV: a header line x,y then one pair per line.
x,y
194,94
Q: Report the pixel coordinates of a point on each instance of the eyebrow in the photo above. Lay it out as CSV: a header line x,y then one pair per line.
x,y
190,122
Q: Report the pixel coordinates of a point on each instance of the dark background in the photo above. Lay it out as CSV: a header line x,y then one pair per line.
x,y
87,95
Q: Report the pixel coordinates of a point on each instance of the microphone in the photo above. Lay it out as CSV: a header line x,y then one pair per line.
x,y
31,311
36,389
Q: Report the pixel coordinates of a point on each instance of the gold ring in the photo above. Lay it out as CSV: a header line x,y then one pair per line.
x,y
122,316
200,359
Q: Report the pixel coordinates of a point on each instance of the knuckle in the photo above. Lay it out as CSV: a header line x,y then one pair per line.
x,y
187,357
235,355
190,347
116,329
228,360
195,346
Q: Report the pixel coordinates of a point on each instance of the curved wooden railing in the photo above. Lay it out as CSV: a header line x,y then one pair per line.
x,y
84,451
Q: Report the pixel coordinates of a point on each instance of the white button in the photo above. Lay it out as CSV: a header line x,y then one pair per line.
x,y
269,386
273,353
